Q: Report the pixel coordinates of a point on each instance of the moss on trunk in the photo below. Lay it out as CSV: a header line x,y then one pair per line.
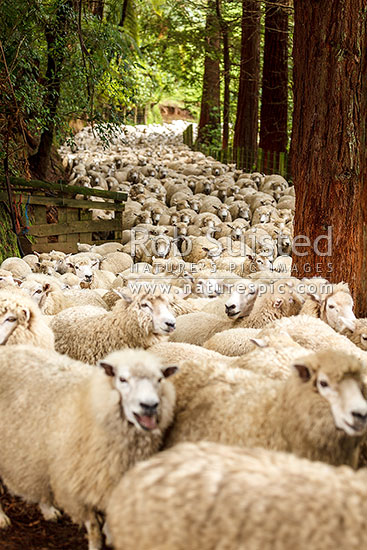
x,y
8,240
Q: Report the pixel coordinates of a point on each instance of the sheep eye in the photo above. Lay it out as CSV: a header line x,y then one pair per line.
x,y
38,291
323,384
11,319
364,337
123,380
160,379
330,306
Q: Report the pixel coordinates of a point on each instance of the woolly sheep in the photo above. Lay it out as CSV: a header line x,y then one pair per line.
x,y
319,412
99,422
314,334
335,307
21,321
359,334
197,328
140,321
17,267
6,278
232,342
255,499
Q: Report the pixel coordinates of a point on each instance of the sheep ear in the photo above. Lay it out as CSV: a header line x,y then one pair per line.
x,y
168,371
46,287
125,297
278,303
18,281
118,292
303,372
315,297
27,313
109,369
261,342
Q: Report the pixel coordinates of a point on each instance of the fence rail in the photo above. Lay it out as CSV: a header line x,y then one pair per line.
x,y
54,220
267,162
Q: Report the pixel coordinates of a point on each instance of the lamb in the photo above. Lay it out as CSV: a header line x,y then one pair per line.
x,y
140,321
255,499
21,321
99,422
17,267
335,307
319,412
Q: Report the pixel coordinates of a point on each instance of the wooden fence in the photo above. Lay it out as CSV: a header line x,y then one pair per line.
x,y
46,212
267,162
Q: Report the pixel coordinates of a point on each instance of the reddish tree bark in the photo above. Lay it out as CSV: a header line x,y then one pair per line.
x,y
209,123
246,127
274,98
328,150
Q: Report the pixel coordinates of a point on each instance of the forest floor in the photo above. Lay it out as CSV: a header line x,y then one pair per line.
x,y
29,531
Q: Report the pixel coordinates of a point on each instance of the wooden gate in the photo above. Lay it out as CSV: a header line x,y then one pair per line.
x,y
55,220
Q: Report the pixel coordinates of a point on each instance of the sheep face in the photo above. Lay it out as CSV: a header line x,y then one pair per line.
x,y
240,304
6,279
339,311
156,307
342,388
9,322
84,270
35,290
139,380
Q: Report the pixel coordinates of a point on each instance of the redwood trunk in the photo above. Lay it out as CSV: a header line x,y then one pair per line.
x,y
329,162
209,123
246,127
274,99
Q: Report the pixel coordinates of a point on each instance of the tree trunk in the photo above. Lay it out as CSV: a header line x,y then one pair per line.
x,y
246,127
209,123
274,99
328,150
55,35
227,75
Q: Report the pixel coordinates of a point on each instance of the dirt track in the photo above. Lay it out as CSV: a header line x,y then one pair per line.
x,y
29,531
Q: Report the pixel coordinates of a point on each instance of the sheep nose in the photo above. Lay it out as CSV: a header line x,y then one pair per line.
x,y
362,418
150,409
170,326
229,308
88,278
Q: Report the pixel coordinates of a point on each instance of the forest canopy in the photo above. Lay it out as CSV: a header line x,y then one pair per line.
x,y
102,61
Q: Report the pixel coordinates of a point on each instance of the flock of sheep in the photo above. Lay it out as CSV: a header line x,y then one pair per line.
x,y
184,391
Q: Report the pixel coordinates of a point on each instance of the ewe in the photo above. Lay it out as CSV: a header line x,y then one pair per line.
x,y
231,498
135,322
74,430
335,308
21,321
319,412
